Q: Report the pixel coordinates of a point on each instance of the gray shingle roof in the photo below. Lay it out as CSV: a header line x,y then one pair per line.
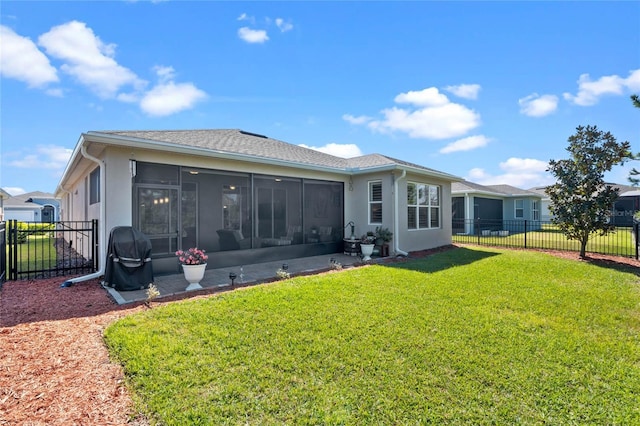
x,y
500,190
235,141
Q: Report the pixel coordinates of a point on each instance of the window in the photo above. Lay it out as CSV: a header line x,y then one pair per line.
x,y
375,202
535,210
423,206
94,186
519,209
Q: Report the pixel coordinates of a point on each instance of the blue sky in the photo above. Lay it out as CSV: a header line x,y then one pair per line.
x,y
488,91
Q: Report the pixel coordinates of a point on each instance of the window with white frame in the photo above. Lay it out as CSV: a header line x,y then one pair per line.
x,y
94,186
423,206
375,202
519,209
535,210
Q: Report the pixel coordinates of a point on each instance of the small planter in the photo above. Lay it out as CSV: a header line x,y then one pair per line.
x,y
367,251
194,274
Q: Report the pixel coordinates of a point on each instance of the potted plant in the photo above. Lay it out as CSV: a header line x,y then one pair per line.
x,y
194,263
367,245
383,235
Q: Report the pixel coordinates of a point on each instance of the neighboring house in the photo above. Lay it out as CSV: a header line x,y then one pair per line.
x,y
3,196
246,198
493,207
623,209
32,207
545,200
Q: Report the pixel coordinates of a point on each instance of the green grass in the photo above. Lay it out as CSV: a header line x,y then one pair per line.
x,y
467,336
38,253
619,243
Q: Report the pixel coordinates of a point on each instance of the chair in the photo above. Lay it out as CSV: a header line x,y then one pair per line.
x,y
293,236
232,239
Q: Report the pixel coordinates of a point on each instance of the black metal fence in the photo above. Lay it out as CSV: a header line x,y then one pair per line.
x,y
3,252
43,250
623,241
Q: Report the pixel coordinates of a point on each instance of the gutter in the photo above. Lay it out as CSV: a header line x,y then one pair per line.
x,y
102,246
396,225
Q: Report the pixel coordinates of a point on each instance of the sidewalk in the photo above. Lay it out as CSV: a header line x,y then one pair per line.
x,y
169,285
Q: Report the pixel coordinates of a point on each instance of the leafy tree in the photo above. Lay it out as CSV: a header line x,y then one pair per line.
x,y
635,99
581,201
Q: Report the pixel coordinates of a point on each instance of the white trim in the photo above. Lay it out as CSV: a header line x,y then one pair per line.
x,y
515,208
428,206
370,202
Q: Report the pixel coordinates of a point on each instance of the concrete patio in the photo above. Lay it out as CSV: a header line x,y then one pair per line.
x,y
218,279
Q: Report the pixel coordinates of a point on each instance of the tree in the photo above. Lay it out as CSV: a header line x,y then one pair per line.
x,y
635,99
581,201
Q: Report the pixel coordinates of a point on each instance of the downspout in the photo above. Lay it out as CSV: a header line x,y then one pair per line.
x,y
396,224
102,244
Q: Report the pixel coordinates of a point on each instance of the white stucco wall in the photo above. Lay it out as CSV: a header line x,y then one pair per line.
x,y
408,240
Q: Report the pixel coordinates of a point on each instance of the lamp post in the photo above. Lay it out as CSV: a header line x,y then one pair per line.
x,y
232,277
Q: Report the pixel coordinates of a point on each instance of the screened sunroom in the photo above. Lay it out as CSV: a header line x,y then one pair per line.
x,y
236,217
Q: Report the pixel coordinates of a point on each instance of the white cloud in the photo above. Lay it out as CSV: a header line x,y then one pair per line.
x,y
252,36
356,120
284,26
21,60
339,150
447,121
167,97
590,92
633,81
466,91
55,92
164,74
466,144
14,190
431,115
427,97
88,59
519,172
535,105
50,157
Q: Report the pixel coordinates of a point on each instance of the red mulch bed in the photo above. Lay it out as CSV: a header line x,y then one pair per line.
x,y
55,368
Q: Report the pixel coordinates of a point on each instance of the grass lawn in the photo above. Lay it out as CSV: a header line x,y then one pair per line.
x,y
467,336
38,254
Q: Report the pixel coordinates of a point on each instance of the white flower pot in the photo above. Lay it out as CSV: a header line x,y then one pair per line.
x,y
194,274
367,250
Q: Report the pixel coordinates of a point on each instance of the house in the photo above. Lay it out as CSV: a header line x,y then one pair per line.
x,y
247,198
32,207
3,196
494,208
623,209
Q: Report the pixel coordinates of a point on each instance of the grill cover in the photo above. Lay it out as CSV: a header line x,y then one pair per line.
x,y
128,264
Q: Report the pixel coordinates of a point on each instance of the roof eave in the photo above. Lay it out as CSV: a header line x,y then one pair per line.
x,y
395,166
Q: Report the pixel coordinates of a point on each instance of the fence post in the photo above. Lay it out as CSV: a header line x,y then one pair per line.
x,y
94,243
12,239
525,233
635,233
